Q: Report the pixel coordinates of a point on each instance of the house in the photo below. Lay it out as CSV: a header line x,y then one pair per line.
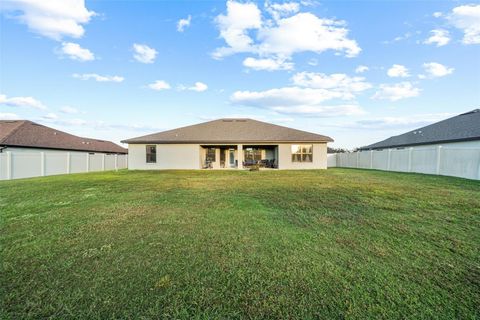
x,y
462,131
31,137
229,144
28,149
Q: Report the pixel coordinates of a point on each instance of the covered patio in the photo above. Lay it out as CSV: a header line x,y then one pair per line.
x,y
238,156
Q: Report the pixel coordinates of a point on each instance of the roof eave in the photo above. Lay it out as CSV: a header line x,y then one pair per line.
x,y
63,149
224,142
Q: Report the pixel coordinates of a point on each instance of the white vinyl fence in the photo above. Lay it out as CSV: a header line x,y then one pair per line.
x,y
17,165
449,161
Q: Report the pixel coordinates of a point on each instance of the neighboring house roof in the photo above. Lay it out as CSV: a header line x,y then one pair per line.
x,y
463,127
24,133
231,131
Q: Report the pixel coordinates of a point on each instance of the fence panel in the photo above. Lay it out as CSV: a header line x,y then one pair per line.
x,y
380,160
55,163
110,162
424,160
78,162
96,162
364,159
25,165
463,163
399,160
449,161
16,165
122,161
3,166
331,160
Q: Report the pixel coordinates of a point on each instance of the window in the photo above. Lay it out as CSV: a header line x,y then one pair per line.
x,y
151,154
210,156
302,153
253,154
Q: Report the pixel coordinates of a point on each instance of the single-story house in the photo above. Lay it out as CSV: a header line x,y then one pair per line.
x,y
229,144
462,131
29,149
27,136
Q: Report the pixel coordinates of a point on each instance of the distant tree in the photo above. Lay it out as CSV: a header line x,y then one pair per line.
x,y
336,150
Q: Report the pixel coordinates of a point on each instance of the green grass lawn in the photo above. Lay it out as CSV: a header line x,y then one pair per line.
x,y
337,243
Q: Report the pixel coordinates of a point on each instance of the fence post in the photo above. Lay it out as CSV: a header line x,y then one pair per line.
x,y
42,164
358,155
88,162
68,162
439,159
371,159
389,159
410,154
9,165
103,161
116,162
478,174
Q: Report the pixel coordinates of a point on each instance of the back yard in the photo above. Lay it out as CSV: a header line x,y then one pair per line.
x,y
339,243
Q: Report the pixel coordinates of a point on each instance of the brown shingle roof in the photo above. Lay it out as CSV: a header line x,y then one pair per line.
x,y
463,127
231,131
24,133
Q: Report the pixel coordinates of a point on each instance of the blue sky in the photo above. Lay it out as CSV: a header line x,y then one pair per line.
x,y
358,71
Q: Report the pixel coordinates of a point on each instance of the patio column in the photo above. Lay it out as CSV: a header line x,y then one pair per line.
x,y
240,156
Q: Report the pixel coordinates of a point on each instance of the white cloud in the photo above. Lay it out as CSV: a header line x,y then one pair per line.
x,y
234,27
322,110
199,87
244,30
69,110
279,10
338,82
306,32
75,52
467,19
268,64
53,19
286,96
50,116
361,69
436,70
313,62
396,92
295,100
398,71
8,116
159,85
97,77
21,102
405,36
144,53
412,121
307,95
439,37
183,23
437,14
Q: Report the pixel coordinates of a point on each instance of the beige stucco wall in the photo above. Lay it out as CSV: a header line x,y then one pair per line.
x,y
189,156
169,156
319,157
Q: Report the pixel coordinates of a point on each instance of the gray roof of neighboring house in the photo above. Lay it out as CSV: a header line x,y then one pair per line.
x,y
463,127
28,134
231,131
